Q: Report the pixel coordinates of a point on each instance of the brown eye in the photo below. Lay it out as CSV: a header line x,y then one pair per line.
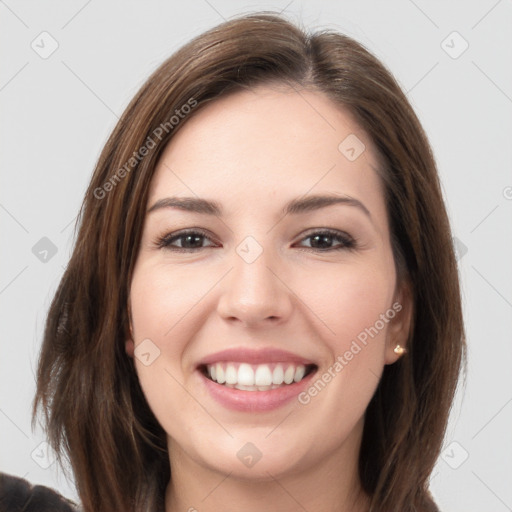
x,y
324,240
188,241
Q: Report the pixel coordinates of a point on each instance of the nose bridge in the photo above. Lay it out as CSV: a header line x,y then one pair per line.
x,y
253,291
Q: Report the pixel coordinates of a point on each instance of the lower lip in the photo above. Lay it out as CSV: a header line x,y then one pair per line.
x,y
254,401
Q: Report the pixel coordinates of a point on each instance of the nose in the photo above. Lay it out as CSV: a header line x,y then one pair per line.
x,y
255,293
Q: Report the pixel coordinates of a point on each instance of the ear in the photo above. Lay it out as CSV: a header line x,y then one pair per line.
x,y
129,348
400,325
129,345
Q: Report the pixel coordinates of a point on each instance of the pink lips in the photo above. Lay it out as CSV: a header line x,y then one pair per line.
x,y
254,401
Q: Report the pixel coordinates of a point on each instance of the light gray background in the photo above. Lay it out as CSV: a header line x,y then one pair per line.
x,y
58,111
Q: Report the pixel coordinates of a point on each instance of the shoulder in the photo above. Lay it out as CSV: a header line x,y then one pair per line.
x,y
19,495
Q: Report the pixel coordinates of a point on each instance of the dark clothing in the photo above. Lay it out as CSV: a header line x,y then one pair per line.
x,y
19,495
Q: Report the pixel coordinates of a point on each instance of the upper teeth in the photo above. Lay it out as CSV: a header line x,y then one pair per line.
x,y
266,376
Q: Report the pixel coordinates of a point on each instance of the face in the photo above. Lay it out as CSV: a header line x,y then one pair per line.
x,y
259,330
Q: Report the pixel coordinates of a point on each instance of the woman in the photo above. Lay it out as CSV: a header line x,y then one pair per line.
x,y
262,308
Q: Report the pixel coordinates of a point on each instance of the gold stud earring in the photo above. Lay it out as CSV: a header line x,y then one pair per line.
x,y
399,350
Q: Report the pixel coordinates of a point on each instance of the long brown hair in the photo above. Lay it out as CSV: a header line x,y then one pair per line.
x,y
94,410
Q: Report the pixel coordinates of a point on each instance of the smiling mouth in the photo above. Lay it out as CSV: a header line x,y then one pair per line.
x,y
256,377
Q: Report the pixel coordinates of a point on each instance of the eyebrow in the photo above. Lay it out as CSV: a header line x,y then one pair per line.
x,y
293,207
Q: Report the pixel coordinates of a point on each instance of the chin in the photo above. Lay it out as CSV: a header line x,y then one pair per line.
x,y
253,454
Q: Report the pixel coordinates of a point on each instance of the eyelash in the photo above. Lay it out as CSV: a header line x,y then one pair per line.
x,y
347,242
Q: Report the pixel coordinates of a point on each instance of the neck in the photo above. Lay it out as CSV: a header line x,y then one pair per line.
x,y
332,485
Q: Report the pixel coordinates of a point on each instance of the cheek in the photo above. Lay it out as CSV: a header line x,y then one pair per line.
x,y
162,306
349,300
161,302
159,306
351,304
168,308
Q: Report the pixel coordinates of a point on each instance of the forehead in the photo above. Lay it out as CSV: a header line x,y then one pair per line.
x,y
270,141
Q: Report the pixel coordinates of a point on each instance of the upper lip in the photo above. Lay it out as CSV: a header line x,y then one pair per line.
x,y
252,356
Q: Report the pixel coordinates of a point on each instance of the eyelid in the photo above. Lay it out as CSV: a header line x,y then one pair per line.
x,y
330,231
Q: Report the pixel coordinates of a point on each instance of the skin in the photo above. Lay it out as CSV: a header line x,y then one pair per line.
x,y
253,151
